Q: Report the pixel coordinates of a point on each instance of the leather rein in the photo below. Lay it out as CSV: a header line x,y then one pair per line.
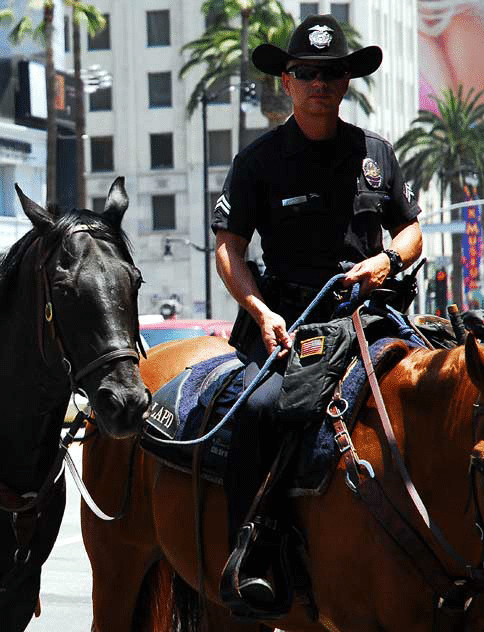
x,y
453,596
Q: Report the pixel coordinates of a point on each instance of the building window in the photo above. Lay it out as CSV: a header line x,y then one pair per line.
x,y
161,151
341,11
215,18
308,8
67,35
159,88
6,208
102,153
158,27
98,204
219,148
213,197
101,100
102,39
252,133
163,207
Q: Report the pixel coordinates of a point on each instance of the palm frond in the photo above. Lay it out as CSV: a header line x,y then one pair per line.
x,y
89,14
6,17
21,30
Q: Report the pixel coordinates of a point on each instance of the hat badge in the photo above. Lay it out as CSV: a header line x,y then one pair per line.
x,y
320,36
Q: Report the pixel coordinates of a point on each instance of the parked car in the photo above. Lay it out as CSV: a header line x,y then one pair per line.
x,y
155,333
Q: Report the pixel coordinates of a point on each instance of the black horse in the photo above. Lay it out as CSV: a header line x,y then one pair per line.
x,y
68,320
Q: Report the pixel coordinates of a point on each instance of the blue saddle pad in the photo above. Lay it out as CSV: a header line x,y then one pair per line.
x,y
318,453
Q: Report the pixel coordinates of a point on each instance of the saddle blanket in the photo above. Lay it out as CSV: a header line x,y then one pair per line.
x,y
192,391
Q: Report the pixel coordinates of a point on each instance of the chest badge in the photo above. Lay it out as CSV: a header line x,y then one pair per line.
x,y
372,173
320,36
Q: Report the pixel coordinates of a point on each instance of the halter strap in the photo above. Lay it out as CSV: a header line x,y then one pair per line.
x,y
104,359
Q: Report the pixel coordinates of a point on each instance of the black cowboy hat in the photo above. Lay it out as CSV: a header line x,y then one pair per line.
x,y
318,38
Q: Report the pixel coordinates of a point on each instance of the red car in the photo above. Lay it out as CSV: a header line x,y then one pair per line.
x,y
155,333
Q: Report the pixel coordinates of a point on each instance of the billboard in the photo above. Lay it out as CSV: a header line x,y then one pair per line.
x,y
451,47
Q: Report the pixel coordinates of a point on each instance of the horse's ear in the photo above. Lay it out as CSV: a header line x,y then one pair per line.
x,y
475,361
116,202
40,217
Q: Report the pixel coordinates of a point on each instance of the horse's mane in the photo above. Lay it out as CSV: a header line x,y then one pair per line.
x,y
64,224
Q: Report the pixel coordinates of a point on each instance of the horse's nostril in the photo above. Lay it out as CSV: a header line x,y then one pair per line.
x,y
126,408
108,402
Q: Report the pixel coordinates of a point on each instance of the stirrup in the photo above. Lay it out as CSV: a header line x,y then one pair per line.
x,y
242,604
257,590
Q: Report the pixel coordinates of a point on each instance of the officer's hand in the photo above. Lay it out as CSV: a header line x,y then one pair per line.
x,y
370,274
274,333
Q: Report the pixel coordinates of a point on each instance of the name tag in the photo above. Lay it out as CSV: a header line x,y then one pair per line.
x,y
300,199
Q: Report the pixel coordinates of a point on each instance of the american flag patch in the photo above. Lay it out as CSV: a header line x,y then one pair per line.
x,y
312,346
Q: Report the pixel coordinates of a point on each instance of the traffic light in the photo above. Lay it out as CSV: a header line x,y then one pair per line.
x,y
249,93
441,291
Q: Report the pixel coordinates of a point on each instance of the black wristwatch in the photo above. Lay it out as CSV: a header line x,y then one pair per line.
x,y
396,263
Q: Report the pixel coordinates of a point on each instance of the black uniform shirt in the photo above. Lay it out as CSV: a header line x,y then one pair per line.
x,y
314,203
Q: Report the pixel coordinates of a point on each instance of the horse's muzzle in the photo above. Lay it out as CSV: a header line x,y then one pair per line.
x,y
120,412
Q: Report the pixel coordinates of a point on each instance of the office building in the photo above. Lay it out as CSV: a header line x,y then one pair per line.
x,y
138,127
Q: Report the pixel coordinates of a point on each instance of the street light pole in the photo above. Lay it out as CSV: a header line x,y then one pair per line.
x,y
247,95
206,208
80,116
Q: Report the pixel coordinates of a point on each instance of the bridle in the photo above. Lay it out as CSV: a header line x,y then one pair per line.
x,y
25,509
46,320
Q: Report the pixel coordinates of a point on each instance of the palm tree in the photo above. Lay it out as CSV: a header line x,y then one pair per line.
x,y
44,31
223,51
448,145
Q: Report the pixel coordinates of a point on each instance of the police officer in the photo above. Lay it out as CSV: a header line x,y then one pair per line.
x,y
318,191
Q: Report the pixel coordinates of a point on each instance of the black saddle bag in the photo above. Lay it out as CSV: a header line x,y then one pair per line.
x,y
318,359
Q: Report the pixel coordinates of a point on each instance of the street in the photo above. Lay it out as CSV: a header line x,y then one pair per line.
x,y
65,592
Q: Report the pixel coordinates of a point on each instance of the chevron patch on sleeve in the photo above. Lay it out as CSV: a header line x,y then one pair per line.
x,y
223,205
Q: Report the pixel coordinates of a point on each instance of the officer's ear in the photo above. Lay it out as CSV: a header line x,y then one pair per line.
x,y
285,83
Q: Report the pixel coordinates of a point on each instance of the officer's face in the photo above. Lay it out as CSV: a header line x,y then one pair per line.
x,y
320,95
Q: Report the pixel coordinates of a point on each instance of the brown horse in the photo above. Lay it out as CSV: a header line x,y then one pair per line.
x,y
363,580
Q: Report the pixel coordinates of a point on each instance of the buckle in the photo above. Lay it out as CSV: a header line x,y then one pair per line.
x,y
18,559
458,583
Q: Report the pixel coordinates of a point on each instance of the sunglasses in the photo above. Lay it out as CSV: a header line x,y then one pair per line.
x,y
323,73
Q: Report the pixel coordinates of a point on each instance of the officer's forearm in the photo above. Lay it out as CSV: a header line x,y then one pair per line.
x,y
407,241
